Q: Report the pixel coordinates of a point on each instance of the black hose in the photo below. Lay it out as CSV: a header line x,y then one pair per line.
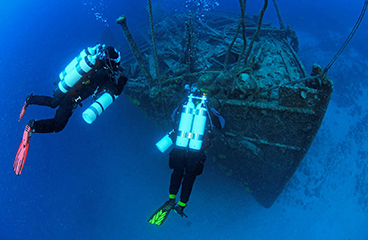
x,y
329,65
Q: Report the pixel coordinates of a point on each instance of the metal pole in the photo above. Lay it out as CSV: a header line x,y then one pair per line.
x,y
122,22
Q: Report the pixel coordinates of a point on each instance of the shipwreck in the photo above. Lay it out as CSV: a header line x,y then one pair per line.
x,y
272,106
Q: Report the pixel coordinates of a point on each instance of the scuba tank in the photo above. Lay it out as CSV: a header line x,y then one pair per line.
x,y
185,124
199,125
83,67
98,107
192,124
79,67
164,143
87,51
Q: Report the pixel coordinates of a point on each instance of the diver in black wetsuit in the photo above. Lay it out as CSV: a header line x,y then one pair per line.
x,y
106,76
187,159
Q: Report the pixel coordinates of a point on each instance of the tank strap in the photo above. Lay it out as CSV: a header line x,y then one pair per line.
x,y
200,112
188,110
190,135
94,110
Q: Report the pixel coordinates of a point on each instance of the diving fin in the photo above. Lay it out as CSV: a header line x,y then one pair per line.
x,y
24,108
22,152
180,210
23,111
162,213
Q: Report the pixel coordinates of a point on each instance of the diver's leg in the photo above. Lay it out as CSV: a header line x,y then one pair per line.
x,y
175,181
188,182
177,163
56,124
52,102
194,167
187,186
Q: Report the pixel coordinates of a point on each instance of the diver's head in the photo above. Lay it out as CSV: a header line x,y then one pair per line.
x,y
111,56
194,91
191,89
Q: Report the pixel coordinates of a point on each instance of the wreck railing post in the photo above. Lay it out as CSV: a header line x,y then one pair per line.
x,y
122,22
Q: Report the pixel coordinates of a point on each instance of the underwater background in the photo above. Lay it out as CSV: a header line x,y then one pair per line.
x,y
103,181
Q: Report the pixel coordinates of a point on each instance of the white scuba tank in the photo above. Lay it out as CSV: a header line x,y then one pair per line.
x,y
87,51
199,125
80,66
98,107
185,124
164,143
83,67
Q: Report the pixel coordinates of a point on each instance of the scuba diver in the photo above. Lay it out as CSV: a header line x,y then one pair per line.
x,y
95,71
191,135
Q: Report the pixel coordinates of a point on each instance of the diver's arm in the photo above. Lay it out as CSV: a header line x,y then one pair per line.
x,y
217,120
116,83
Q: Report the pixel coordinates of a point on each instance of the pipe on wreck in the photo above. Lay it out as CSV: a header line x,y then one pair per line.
x,y
133,46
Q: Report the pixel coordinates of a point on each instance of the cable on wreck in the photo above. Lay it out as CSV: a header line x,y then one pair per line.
x,y
155,52
355,28
282,25
243,4
231,44
189,47
258,30
154,40
241,24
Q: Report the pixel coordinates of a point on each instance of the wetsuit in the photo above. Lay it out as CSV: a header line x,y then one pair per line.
x,y
66,103
188,164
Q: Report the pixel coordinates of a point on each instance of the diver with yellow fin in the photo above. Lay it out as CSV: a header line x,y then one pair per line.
x,y
95,71
193,125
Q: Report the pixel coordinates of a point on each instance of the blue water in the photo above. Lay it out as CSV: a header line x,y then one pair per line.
x,y
102,181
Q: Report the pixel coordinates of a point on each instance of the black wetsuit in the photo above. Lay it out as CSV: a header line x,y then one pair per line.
x,y
66,103
188,164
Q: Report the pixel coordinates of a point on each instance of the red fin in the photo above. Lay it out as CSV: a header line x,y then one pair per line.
x,y
23,111
22,152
